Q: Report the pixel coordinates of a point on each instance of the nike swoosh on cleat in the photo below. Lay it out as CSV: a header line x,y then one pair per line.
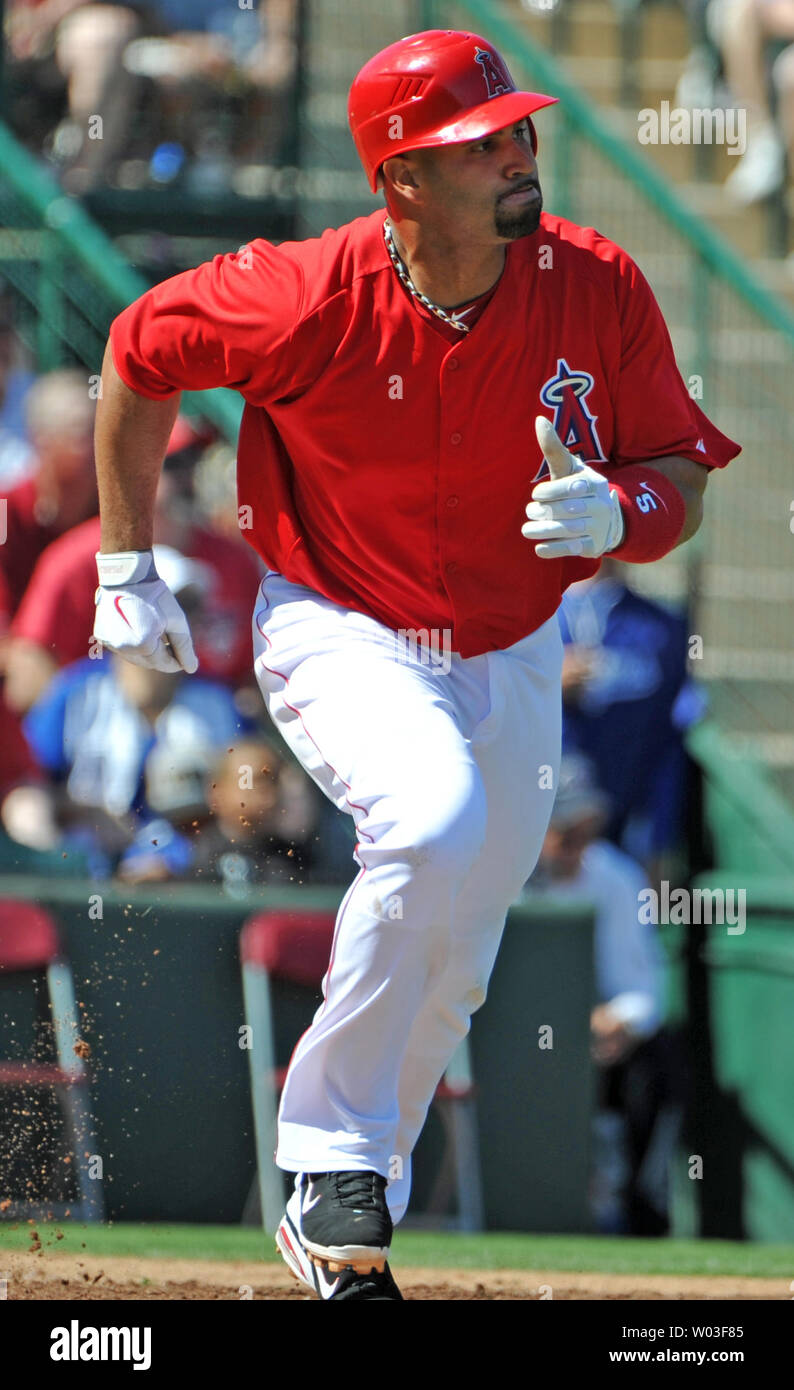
x,y
325,1286
307,1205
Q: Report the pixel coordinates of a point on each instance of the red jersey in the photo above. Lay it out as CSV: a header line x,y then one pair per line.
x,y
57,612
386,460
24,536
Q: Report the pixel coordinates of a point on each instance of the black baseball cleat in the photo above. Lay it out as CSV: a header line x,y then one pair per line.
x,y
349,1206
379,1287
342,1220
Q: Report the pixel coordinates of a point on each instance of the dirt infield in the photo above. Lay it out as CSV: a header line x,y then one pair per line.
x,y
46,1277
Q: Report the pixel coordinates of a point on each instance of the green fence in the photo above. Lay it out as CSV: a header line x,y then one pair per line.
x,y
745,1126
68,277
750,823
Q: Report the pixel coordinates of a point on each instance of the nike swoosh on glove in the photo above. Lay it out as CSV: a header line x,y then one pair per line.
x,y
141,619
576,512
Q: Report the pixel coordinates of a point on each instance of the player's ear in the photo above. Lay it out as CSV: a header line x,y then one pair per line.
x,y
400,175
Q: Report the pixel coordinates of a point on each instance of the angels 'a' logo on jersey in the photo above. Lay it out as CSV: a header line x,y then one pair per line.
x,y
497,79
566,393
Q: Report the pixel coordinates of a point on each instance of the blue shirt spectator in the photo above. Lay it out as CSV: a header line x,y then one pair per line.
x,y
129,746
627,700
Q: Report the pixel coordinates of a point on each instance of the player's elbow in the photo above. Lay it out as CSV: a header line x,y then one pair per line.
x,y
690,478
693,502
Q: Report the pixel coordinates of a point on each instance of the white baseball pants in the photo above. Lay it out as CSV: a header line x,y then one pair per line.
x,y
447,766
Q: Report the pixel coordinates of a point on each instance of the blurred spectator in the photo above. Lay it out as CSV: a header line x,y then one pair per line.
x,y
16,454
215,482
94,75
55,620
701,81
19,775
57,490
33,86
25,802
61,489
219,75
756,40
211,40
118,739
67,51
626,701
248,817
263,814
640,1085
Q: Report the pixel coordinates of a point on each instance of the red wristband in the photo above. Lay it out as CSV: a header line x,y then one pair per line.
x,y
654,513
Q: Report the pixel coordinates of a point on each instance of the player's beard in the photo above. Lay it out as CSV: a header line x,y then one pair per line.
x,y
512,223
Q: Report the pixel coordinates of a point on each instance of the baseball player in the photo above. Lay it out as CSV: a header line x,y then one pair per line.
x,y
453,408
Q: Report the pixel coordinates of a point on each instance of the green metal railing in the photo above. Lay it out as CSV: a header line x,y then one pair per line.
x,y
69,278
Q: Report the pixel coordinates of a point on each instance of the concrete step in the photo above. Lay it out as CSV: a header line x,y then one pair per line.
x,y
587,28
605,200
742,346
698,163
752,520
774,697
600,78
747,624
778,276
762,583
666,581
700,170
747,228
665,32
591,28
738,663
326,109
758,715
784,780
776,749
338,22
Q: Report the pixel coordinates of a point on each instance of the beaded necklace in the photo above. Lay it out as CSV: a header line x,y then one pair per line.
x,y
399,266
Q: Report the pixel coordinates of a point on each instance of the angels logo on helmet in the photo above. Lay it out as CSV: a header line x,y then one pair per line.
x,y
497,80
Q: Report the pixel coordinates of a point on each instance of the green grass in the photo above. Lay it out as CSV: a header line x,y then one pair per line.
x,y
613,1255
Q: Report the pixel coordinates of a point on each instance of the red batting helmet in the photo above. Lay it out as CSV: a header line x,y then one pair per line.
x,y
437,88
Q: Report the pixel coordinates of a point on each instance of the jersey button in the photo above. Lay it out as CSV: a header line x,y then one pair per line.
x,y
452,501
451,567
453,364
455,438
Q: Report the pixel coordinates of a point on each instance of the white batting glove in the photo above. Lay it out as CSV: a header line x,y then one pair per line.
x,y
138,616
575,513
